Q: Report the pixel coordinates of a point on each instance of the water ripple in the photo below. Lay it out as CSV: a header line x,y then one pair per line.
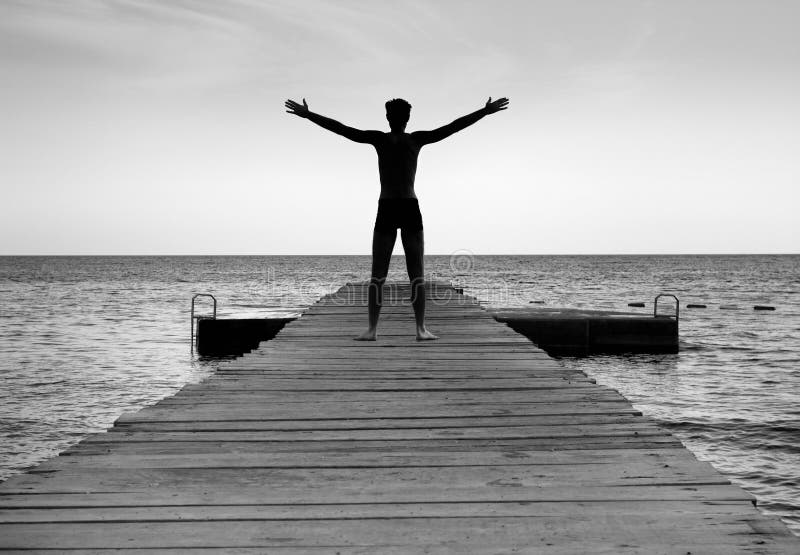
x,y
85,339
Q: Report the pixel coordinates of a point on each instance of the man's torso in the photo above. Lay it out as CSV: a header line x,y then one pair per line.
x,y
397,164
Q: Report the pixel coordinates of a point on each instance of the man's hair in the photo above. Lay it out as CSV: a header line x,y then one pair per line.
x,y
399,109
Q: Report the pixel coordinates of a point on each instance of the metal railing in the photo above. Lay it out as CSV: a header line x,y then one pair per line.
x,y
196,317
677,305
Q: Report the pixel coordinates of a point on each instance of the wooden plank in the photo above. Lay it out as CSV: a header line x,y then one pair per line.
x,y
363,492
133,434
565,394
663,456
297,483
581,534
166,513
177,421
321,384
458,445
559,548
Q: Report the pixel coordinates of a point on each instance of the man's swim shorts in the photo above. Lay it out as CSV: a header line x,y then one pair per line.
x,y
398,212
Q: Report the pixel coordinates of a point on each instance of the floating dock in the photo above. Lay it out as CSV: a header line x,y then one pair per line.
x,y
235,336
580,332
315,443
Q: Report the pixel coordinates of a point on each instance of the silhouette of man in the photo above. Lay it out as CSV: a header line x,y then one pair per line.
x,y
398,206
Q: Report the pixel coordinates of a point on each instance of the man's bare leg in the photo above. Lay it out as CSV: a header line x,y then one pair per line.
x,y
414,247
382,245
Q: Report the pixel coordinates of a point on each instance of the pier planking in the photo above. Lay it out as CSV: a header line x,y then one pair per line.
x,y
315,443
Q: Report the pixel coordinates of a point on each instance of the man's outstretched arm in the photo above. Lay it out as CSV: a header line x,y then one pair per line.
x,y
351,133
427,137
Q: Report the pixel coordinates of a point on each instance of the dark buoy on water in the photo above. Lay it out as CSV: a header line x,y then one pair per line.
x,y
763,307
696,306
639,305
535,302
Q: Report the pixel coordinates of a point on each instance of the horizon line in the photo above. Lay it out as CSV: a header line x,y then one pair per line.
x,y
458,252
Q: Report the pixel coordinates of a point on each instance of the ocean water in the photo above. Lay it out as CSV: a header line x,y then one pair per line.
x,y
85,339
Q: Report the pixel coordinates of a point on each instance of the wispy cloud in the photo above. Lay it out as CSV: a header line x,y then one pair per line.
x,y
180,96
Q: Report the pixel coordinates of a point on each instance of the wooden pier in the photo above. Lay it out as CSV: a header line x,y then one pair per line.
x,y
315,443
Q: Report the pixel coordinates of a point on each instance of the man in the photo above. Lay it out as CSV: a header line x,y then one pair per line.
x,y
397,206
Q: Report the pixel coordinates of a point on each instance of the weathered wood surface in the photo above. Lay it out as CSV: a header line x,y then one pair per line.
x,y
314,443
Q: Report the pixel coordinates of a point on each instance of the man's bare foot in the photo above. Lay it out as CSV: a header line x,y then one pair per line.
x,y
424,335
369,335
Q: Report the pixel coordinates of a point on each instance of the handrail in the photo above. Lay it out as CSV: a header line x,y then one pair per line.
x,y
194,317
677,305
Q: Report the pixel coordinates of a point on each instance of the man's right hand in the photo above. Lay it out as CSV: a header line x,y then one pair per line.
x,y
296,108
496,106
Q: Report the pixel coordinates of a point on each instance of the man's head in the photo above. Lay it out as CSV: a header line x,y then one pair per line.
x,y
397,112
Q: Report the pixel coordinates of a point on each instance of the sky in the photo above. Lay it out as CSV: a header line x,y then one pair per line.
x,y
158,127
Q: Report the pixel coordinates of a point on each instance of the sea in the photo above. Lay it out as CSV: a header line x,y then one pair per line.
x,y
86,339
